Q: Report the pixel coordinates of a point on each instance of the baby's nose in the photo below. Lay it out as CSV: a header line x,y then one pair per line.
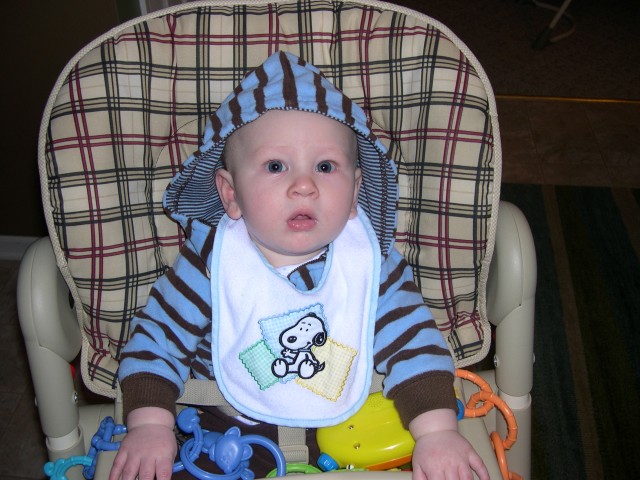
x,y
292,339
304,185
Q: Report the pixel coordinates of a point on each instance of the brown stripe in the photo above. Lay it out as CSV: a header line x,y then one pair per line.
x,y
584,405
169,334
289,89
147,355
168,309
204,350
394,277
303,271
173,313
347,106
194,259
189,228
321,94
305,274
236,110
408,354
202,369
396,346
258,93
216,124
181,286
395,314
207,247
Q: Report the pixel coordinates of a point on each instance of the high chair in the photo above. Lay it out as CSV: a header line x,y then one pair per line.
x,y
131,106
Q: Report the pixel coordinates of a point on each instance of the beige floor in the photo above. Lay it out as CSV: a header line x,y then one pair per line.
x,y
545,141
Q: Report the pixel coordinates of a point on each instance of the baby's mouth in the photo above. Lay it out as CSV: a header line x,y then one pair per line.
x,y
301,222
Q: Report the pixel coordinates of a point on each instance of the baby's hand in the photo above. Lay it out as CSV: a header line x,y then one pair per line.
x,y
148,449
440,451
446,454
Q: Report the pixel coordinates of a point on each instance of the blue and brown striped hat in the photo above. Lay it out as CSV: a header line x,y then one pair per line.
x,y
284,82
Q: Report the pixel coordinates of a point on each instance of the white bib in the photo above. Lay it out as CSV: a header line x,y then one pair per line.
x,y
290,357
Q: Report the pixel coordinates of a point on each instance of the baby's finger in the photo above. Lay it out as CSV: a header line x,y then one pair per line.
x,y
129,470
164,468
478,466
147,470
118,466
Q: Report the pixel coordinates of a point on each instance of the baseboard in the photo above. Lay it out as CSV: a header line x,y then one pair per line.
x,y
12,247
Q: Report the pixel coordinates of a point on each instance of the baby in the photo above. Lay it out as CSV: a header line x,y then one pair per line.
x,y
288,291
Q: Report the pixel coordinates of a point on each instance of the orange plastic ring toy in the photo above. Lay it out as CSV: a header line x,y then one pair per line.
x,y
489,399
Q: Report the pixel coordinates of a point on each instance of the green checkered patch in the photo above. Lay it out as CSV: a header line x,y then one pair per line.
x,y
131,107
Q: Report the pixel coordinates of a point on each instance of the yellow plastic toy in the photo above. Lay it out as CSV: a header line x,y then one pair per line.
x,y
373,438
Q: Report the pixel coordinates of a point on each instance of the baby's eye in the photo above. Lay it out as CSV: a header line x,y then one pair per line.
x,y
325,167
275,166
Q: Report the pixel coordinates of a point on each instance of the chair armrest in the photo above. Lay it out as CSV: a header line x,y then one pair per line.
x,y
52,339
46,314
511,292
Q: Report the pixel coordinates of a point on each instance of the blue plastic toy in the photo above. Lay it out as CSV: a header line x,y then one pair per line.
x,y
100,442
56,470
230,451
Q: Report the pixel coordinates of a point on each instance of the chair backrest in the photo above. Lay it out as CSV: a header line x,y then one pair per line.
x,y
131,107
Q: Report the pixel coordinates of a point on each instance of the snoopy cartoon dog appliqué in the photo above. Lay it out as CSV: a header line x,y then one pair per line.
x,y
297,342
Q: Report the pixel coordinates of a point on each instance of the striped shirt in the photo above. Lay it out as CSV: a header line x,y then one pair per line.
x,y
171,336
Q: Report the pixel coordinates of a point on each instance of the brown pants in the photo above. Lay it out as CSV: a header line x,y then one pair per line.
x,y
262,461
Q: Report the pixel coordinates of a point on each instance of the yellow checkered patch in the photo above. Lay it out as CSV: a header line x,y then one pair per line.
x,y
338,360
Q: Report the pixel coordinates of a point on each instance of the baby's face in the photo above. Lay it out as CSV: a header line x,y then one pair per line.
x,y
292,176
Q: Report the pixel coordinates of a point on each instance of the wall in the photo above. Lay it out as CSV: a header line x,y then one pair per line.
x,y
39,38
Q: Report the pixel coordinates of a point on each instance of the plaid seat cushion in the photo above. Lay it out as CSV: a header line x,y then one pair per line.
x,y
128,110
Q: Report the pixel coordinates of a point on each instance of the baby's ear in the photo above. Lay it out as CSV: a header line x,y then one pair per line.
x,y
354,205
227,193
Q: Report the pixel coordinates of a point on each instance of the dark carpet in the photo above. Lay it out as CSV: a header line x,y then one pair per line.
x,y
586,393
599,60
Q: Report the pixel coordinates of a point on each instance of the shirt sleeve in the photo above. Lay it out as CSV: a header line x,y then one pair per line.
x,y
409,350
166,333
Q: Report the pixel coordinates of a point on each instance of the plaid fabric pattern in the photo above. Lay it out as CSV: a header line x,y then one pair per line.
x,y
128,111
